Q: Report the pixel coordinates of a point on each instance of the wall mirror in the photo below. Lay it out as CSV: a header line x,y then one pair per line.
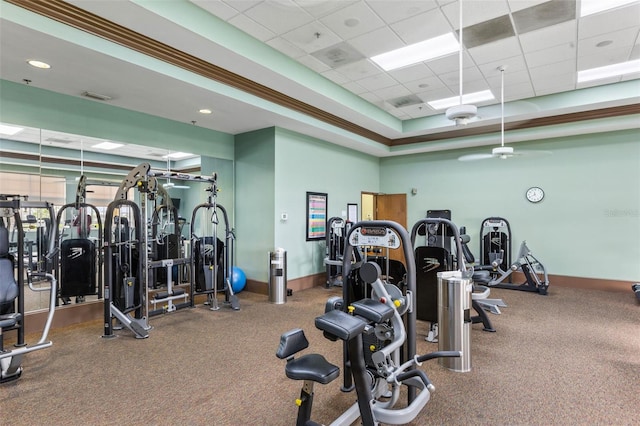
x,y
46,166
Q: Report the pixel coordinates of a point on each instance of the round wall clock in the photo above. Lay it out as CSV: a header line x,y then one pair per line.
x,y
535,194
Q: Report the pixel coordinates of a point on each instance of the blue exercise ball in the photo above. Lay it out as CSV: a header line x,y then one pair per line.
x,y
238,279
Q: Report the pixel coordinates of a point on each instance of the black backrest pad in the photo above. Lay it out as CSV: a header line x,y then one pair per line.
x,y
292,342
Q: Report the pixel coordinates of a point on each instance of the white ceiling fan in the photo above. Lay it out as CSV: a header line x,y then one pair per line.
x,y
461,114
502,152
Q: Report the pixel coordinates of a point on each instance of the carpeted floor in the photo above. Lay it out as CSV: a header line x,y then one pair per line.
x,y
569,358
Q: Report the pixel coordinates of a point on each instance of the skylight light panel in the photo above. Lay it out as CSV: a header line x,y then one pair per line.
x,y
9,130
418,52
178,155
590,7
469,98
107,145
609,71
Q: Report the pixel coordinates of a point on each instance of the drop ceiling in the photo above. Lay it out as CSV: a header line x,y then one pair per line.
x,y
307,63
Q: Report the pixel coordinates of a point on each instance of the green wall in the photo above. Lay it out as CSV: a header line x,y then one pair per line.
x,y
303,164
588,224
30,106
255,177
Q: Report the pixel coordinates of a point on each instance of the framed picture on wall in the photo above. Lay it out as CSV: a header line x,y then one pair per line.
x,y
352,213
316,216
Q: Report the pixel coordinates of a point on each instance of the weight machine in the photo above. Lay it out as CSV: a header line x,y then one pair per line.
x,y
495,251
336,231
12,276
211,258
377,371
79,264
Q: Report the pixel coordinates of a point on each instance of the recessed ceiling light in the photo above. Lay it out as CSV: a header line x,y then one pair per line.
x,y
589,7
469,98
352,22
178,155
9,130
108,145
418,52
205,111
609,71
604,43
38,64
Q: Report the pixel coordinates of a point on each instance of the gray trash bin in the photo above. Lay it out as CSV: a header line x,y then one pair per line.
x,y
278,276
454,319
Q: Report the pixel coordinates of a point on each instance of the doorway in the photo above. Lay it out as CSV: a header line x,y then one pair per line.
x,y
386,207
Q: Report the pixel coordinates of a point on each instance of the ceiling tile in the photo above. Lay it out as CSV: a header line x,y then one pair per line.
x,y
242,5
354,87
474,12
216,8
312,37
280,16
436,93
392,10
251,27
373,98
422,27
311,62
601,23
549,36
513,65
560,83
511,78
453,78
516,5
285,47
376,82
411,73
360,69
394,91
543,15
424,84
376,42
518,91
551,55
335,76
449,63
496,51
353,21
550,71
319,9
487,32
608,57
625,38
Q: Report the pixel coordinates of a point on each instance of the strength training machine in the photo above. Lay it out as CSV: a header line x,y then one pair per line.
x,y
495,251
212,258
12,275
377,371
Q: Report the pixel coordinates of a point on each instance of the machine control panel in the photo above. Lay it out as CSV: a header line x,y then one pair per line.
x,y
374,236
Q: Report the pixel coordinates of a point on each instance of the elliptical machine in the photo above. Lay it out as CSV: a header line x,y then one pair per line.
x,y
377,372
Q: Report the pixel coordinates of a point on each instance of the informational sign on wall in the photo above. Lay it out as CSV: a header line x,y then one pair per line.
x,y
316,216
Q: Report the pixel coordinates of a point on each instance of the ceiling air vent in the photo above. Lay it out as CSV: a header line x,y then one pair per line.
x,y
338,55
96,96
59,140
405,101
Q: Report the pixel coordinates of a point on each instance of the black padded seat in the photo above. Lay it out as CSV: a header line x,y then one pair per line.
x,y
312,367
481,277
374,311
